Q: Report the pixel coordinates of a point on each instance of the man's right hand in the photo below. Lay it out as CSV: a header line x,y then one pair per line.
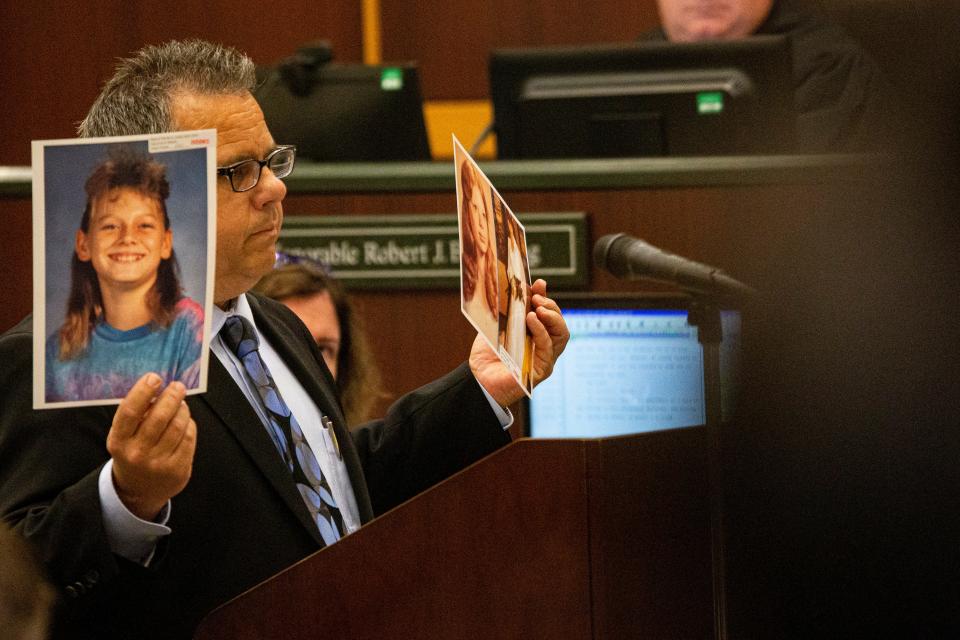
x,y
151,441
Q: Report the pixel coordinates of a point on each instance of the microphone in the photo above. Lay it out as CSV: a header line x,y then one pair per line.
x,y
631,258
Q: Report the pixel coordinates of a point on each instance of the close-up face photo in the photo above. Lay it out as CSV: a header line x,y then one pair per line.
x,y
126,238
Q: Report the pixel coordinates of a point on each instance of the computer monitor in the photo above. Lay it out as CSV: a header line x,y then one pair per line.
x,y
345,112
644,99
633,365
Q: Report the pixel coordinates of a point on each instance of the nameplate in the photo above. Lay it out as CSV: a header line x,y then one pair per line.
x,y
423,251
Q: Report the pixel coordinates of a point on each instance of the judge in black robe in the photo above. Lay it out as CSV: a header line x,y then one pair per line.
x,y
840,94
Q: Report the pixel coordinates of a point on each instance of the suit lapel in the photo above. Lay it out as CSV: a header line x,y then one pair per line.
x,y
231,406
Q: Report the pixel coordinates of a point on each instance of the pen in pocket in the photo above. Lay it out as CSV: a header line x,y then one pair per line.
x,y
328,425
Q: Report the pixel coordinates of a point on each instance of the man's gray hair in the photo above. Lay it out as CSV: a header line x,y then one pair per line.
x,y
137,98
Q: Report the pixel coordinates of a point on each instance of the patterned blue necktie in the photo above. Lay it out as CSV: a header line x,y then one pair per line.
x,y
239,335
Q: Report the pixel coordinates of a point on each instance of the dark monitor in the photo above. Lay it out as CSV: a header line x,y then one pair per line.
x,y
633,365
345,112
644,99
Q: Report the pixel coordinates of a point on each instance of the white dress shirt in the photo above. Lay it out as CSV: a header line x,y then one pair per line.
x,y
299,403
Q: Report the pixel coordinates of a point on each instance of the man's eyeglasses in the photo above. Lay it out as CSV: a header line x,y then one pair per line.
x,y
245,175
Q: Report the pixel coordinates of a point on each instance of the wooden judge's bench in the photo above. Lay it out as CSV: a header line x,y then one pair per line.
x,y
572,539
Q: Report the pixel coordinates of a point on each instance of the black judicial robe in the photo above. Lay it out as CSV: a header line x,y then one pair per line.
x,y
840,94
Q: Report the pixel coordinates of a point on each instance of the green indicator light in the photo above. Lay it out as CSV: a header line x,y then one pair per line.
x,y
709,102
391,79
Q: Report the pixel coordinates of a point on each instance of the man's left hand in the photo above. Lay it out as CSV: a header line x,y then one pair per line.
x,y
550,335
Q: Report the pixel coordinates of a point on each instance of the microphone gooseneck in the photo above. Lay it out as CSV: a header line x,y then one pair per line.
x,y
630,258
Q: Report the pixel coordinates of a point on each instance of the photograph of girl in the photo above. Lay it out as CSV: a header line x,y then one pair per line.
x,y
126,312
478,256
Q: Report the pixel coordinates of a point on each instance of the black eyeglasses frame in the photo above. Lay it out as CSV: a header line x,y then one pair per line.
x,y
229,170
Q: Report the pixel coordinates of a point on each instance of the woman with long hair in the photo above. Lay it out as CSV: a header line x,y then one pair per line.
x,y
478,256
324,307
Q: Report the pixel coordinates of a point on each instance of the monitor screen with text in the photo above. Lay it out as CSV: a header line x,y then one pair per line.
x,y
629,368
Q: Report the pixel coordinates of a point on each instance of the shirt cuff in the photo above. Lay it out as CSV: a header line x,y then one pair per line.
x,y
129,536
504,415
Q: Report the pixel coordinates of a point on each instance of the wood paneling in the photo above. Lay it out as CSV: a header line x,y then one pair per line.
x,y
583,539
15,262
56,55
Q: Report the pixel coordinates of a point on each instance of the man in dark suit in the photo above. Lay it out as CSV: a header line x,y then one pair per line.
x,y
149,516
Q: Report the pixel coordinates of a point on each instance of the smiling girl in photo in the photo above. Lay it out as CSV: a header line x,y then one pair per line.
x,y
126,314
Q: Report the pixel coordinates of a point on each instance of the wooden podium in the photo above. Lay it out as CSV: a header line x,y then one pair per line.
x,y
572,539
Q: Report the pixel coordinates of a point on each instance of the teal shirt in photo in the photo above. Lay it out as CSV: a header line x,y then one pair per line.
x,y
114,360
